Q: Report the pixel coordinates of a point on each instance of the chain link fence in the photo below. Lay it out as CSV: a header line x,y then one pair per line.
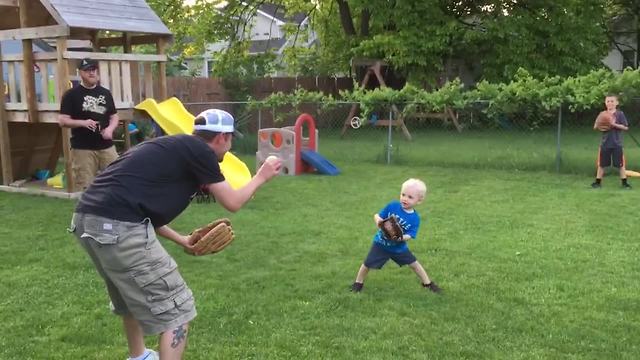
x,y
559,140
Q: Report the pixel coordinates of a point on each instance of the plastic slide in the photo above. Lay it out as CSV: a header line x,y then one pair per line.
x,y
174,119
319,162
235,171
170,115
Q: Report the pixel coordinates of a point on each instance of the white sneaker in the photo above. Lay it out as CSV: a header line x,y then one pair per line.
x,y
152,355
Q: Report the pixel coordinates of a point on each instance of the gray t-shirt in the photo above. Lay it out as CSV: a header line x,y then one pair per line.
x,y
613,138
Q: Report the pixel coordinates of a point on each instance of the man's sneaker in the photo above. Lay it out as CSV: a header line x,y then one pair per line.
x,y
151,355
596,185
433,287
357,287
626,186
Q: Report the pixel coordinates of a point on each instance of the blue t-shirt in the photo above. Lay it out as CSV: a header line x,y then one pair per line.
x,y
410,223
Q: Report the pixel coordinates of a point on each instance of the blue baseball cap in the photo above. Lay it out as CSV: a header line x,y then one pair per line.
x,y
216,120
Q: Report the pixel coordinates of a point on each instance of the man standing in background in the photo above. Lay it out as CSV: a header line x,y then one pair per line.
x,y
89,110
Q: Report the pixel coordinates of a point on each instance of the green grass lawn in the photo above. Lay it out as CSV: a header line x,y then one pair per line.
x,y
534,265
516,150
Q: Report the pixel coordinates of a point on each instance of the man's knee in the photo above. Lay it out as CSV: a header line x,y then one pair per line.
x,y
106,157
85,167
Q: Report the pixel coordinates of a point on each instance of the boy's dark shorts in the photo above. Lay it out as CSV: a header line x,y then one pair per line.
x,y
378,256
611,155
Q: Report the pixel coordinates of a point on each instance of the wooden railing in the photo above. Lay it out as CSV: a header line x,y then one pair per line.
x,y
128,76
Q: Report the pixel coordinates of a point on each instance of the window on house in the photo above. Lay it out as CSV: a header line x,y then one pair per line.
x,y
629,59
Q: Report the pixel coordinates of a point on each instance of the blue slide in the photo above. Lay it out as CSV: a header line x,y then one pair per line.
x,y
321,164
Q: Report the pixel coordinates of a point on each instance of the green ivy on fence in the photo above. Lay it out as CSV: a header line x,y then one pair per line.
x,y
523,95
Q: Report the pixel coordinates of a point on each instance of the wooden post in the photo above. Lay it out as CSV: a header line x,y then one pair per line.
x,y
377,70
5,145
95,40
126,88
148,80
62,72
162,69
354,107
126,43
55,153
136,92
28,76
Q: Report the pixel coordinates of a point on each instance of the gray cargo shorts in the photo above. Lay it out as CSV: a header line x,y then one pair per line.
x,y
141,277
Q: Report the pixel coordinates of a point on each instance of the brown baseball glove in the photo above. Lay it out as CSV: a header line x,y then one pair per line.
x,y
604,121
211,238
391,229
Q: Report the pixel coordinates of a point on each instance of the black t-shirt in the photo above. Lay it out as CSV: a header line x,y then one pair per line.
x,y
155,180
612,139
97,104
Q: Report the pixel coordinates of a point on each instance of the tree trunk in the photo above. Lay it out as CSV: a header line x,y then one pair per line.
x,y
637,52
345,18
365,16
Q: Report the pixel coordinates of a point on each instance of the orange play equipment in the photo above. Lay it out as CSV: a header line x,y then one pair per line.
x,y
298,153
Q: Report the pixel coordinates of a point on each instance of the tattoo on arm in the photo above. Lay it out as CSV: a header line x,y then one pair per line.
x,y
179,335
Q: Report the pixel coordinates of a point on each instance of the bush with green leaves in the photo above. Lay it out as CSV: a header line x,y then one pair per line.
x,y
529,100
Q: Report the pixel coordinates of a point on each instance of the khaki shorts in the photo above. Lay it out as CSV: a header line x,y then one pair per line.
x,y
87,163
142,279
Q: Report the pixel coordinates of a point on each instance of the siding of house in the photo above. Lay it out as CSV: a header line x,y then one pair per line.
x,y
265,28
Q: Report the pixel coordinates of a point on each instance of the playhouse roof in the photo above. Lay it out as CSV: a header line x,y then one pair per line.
x,y
118,15
129,16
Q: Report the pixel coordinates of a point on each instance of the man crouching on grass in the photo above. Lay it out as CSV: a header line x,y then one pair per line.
x,y
135,198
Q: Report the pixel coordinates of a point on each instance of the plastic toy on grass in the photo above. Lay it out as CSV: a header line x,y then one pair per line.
x,y
298,154
57,181
42,174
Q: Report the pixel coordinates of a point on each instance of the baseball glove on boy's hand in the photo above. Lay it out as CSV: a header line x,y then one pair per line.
x,y
211,238
391,229
604,121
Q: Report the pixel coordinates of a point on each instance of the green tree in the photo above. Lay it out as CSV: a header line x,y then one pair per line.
x,y
547,37
420,39
176,16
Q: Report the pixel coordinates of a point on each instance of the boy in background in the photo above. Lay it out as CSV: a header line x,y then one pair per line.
x,y
611,144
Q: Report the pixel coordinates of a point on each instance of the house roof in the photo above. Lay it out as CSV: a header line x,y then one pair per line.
x,y
133,16
260,46
278,13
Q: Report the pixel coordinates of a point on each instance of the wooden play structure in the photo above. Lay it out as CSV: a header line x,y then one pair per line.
x,y
374,70
30,138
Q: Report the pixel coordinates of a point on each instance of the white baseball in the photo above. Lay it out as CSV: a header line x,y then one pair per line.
x,y
271,159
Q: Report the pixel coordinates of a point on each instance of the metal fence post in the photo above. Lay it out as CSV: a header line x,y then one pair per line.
x,y
559,136
389,145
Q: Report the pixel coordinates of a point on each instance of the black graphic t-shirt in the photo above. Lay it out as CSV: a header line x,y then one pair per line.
x,y
155,179
97,104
